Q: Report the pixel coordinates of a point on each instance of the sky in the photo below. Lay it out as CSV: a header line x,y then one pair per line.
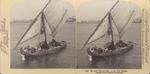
x,y
96,9
91,10
28,9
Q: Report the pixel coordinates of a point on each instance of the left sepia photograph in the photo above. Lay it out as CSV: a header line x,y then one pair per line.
x,y
43,34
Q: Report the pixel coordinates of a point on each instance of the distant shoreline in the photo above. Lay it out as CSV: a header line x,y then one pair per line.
x,y
21,21
79,22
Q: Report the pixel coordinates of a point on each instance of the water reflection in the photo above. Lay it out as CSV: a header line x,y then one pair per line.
x,y
100,61
48,61
41,61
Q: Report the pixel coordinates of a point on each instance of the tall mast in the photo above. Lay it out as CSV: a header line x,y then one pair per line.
x,y
43,26
100,24
110,27
35,19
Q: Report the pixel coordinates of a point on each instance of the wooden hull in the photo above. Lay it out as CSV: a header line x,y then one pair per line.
x,y
117,51
51,50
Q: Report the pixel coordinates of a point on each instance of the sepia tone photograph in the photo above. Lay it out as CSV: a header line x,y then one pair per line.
x,y
42,34
109,35
100,34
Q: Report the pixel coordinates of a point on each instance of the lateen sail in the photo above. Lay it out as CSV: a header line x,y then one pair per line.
x,y
114,26
126,24
54,18
48,28
60,24
56,21
33,28
101,31
101,28
122,17
55,14
34,31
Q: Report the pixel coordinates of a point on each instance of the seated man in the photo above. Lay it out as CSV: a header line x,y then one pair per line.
x,y
29,49
33,49
54,43
93,49
44,45
100,50
110,46
121,43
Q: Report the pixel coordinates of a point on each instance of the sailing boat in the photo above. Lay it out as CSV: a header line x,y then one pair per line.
x,y
41,27
106,28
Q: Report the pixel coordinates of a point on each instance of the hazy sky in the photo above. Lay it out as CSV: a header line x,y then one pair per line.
x,y
96,9
28,9
92,10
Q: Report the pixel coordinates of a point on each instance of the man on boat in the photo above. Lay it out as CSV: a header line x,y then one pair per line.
x,y
93,49
110,46
44,45
29,49
121,43
54,43
98,50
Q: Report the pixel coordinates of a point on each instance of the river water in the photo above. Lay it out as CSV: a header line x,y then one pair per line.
x,y
131,59
72,57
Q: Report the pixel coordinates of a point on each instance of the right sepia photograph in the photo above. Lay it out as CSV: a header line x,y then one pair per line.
x,y
108,35
99,34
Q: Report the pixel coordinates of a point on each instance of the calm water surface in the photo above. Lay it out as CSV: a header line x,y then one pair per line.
x,y
72,56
